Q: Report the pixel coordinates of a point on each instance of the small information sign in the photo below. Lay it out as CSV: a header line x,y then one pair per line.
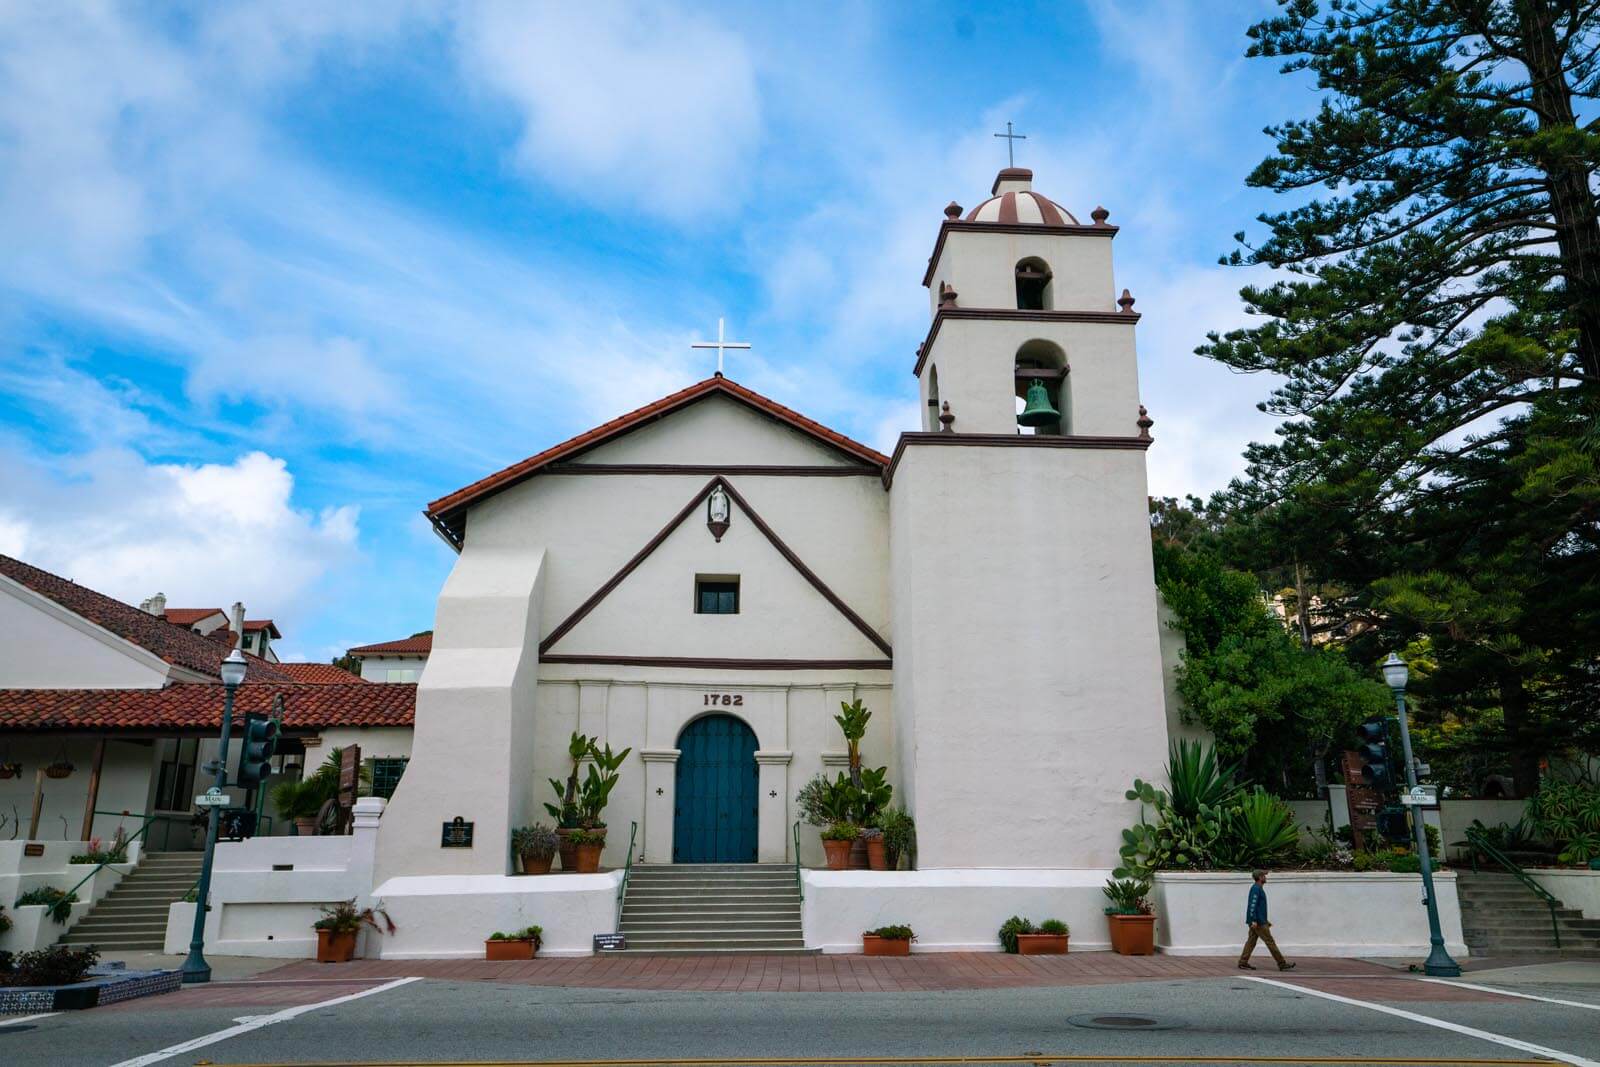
x,y
610,942
1421,796
457,833
211,798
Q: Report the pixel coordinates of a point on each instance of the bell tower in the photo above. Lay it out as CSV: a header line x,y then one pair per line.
x,y
1027,665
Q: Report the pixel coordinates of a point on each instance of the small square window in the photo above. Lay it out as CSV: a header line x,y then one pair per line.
x,y
716,596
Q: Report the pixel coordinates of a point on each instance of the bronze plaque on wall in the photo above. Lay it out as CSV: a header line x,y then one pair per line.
x,y
457,833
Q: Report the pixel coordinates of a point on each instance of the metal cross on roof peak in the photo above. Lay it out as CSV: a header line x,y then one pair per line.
x,y
719,344
1011,144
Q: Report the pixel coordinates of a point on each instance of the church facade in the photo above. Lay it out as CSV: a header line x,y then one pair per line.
x,y
704,580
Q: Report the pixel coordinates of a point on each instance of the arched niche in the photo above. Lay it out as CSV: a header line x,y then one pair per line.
x,y
930,411
1044,362
1034,285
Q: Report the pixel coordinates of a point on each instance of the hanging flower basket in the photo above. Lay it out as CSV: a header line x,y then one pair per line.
x,y
10,770
58,769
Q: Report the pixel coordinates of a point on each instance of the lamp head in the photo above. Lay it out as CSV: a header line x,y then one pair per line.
x,y
1395,673
233,669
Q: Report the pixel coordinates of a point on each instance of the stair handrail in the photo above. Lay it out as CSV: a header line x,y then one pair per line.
x,y
627,872
61,910
799,883
1481,844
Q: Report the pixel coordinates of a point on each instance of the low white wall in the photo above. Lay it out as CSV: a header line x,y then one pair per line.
x,y
20,873
32,929
1575,889
452,915
1313,913
951,910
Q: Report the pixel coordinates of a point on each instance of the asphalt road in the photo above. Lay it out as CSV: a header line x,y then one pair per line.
x,y
466,1022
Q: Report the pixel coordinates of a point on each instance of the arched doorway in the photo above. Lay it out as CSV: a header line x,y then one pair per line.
x,y
714,820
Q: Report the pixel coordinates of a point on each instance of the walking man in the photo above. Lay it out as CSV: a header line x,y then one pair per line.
x,y
1255,917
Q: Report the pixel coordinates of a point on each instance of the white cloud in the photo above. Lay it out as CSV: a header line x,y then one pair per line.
x,y
649,105
201,533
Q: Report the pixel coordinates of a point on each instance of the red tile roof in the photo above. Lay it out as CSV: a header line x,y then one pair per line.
x,y
252,625
196,706
420,645
190,616
175,644
448,513
319,673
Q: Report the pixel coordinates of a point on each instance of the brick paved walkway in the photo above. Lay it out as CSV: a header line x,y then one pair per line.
x,y
824,974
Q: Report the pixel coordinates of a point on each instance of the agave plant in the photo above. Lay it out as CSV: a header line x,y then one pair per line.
x,y
1198,779
1261,830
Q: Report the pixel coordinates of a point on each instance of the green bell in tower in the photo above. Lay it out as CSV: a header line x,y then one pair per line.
x,y
1038,411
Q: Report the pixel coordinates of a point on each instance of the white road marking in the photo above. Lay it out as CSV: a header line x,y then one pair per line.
x,y
1428,1020
1512,993
256,1024
27,1018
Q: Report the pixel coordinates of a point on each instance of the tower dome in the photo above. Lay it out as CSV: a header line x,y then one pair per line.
x,y
1014,201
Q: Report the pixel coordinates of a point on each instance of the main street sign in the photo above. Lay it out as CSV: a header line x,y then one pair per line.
x,y
212,798
1421,796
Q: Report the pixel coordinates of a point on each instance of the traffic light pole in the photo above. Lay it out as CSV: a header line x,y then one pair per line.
x,y
1439,964
195,968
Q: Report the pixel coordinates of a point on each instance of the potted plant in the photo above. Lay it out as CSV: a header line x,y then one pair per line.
x,y
339,925
1050,939
520,944
888,941
299,801
587,845
899,837
596,791
1011,930
837,841
565,810
877,852
1132,920
536,846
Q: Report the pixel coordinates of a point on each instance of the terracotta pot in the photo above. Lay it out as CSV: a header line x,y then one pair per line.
x,y
567,850
873,945
306,827
1133,935
838,854
588,858
1041,944
505,949
858,854
877,854
335,947
532,864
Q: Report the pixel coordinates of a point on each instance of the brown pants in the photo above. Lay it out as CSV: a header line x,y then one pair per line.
x,y
1261,932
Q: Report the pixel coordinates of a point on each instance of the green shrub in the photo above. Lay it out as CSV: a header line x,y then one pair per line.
x,y
1568,815
899,836
345,918
809,801
1011,928
527,933
538,841
56,965
1054,926
841,831
1408,863
894,933
59,901
1127,896
5,920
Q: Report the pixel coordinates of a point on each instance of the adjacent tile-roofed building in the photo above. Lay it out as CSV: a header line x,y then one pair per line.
x,y
175,644
190,616
198,707
419,645
317,673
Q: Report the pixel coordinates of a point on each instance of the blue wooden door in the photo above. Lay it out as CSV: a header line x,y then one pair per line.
x,y
715,817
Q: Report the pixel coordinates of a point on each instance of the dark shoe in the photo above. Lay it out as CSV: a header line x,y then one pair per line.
x,y
1246,967
1285,966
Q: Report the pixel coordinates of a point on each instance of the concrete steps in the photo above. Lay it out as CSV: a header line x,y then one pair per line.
x,y
1502,917
133,916
694,909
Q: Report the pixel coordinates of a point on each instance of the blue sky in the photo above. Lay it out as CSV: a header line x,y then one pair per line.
x,y
278,274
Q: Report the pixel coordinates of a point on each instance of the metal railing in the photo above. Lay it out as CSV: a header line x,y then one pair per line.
x,y
63,908
627,872
799,883
1480,843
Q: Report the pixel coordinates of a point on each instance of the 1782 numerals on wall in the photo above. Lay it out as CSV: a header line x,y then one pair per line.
x,y
725,700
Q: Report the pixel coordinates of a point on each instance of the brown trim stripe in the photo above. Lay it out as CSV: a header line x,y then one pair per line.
x,y
1049,212
1006,440
714,663
1107,318
760,524
1008,208
754,470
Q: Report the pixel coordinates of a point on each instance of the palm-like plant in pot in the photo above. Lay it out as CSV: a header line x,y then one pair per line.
x,y
1130,916
339,925
838,805
565,810
872,800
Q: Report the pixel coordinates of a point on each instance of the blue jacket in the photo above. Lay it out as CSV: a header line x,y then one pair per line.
x,y
1255,911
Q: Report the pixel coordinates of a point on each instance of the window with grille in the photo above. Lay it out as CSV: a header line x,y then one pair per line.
x,y
386,775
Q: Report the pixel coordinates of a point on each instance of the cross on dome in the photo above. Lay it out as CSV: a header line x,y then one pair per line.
x,y
719,344
1011,144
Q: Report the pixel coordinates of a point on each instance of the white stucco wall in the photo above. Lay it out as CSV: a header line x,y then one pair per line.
x,y
47,647
714,431
377,742
377,668
446,916
1574,888
1172,649
1027,654
1313,913
125,782
981,268
20,873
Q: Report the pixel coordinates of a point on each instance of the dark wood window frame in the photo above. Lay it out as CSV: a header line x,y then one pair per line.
x,y
716,595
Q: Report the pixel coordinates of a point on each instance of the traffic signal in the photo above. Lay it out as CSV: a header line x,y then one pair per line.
x,y
260,741
1377,765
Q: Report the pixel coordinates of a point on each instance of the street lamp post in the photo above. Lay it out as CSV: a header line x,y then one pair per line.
x,y
1439,964
195,968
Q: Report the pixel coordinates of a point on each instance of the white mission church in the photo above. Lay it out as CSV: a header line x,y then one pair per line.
x,y
717,572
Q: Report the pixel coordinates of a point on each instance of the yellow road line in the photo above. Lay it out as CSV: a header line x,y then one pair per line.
x,y
916,1061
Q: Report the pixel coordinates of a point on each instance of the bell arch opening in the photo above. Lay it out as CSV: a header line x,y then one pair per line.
x,y
930,411
1034,291
1040,378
